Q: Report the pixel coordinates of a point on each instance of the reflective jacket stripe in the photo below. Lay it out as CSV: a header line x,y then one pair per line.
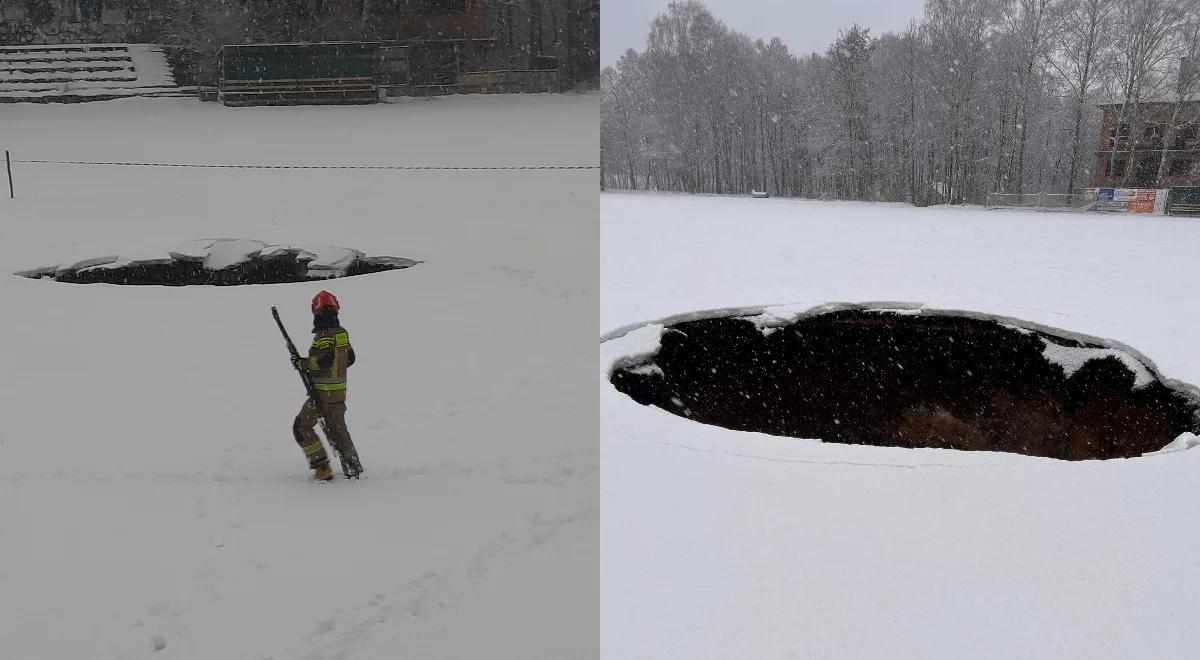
x,y
329,387
329,379
328,349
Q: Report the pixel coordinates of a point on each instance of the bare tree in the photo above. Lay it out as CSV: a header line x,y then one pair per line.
x,y
622,120
960,31
1032,31
1187,85
978,96
1145,31
845,79
1083,38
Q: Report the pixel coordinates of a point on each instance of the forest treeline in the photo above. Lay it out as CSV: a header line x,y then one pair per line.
x,y
977,96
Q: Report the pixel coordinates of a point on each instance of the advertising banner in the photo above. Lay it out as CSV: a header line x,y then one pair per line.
x,y
1106,200
1129,200
1142,202
1160,201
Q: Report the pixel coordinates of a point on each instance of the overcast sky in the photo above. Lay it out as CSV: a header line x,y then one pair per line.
x,y
804,25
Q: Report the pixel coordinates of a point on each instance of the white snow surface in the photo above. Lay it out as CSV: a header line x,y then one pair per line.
x,y
151,494
1182,443
150,63
725,544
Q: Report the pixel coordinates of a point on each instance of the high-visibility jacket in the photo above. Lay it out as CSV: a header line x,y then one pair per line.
x,y
328,358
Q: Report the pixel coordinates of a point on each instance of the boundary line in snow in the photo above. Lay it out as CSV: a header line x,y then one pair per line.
x,y
319,167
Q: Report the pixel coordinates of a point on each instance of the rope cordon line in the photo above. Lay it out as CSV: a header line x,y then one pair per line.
x,y
319,167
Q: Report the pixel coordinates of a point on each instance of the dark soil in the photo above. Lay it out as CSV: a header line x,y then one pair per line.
x,y
878,378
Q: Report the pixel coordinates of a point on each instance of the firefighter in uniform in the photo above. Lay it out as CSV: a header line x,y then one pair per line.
x,y
326,364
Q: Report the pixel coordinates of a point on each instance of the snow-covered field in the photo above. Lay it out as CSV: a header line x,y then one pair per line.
x,y
720,544
152,500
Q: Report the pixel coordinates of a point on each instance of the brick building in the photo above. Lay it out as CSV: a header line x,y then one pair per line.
x,y
1154,144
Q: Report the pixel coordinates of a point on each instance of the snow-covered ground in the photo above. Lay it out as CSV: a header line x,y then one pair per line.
x,y
152,500
722,544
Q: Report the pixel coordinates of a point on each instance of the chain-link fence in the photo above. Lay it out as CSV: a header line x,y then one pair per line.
x,y
1078,200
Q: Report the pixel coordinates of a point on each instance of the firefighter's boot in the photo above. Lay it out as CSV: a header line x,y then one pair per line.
x,y
323,473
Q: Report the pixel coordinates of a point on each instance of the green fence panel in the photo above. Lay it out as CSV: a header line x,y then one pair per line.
x,y
299,61
1184,200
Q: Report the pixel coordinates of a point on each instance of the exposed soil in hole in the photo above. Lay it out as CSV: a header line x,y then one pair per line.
x,y
261,264
913,380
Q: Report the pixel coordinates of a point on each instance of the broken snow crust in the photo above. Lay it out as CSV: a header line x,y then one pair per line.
x,y
725,544
632,347
1072,359
227,252
220,253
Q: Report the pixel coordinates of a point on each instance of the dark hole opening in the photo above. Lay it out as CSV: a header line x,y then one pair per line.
x,y
272,269
907,380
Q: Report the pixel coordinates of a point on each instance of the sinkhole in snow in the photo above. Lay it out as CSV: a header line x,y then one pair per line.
x,y
223,262
914,378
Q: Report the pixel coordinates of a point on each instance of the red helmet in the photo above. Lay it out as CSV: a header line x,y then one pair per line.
x,y
324,300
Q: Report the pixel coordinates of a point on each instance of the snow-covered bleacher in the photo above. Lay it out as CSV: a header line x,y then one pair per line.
x,y
84,72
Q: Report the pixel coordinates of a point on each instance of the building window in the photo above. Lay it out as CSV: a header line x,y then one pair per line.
x,y
447,6
1116,168
1185,136
535,27
1181,166
38,12
1119,132
1145,172
91,10
1152,136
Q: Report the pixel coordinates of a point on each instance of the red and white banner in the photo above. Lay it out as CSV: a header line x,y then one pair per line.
x,y
1130,200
